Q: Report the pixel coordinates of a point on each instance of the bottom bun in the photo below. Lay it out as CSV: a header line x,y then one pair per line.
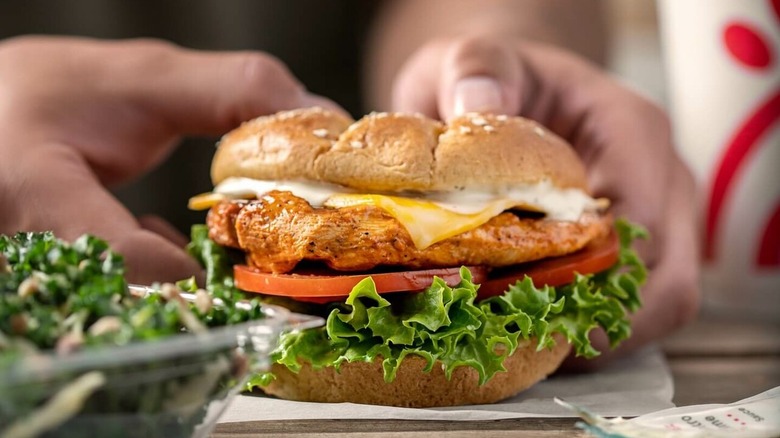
x,y
363,382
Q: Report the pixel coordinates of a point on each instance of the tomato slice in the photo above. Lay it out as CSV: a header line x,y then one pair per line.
x,y
597,256
328,286
321,288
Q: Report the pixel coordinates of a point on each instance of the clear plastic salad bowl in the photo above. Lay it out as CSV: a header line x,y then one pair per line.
x,y
174,387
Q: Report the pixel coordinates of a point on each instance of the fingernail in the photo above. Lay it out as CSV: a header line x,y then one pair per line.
x,y
477,93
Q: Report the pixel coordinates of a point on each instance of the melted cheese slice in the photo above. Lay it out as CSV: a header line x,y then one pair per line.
x,y
428,218
426,221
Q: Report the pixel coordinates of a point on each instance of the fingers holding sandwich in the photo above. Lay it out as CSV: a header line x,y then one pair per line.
x,y
62,195
626,144
623,139
80,114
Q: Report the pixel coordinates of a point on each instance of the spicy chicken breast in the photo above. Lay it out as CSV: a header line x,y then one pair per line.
x,y
280,230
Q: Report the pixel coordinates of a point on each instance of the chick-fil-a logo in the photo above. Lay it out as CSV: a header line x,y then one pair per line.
x,y
748,47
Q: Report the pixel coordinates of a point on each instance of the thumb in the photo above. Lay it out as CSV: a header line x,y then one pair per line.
x,y
160,226
70,202
479,74
167,231
151,258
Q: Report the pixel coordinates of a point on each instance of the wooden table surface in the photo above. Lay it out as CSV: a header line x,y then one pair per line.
x,y
714,360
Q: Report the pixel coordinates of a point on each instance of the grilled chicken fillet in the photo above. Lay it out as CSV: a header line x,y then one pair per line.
x,y
279,230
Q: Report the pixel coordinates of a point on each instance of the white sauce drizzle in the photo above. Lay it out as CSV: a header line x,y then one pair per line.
x,y
558,204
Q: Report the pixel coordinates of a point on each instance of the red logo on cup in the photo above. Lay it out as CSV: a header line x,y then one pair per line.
x,y
747,46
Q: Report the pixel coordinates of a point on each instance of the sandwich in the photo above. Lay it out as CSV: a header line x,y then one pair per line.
x,y
455,263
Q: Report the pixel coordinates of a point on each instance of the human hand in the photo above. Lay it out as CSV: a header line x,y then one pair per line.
x,y
624,140
77,115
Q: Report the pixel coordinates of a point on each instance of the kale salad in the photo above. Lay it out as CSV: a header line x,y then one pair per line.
x,y
82,356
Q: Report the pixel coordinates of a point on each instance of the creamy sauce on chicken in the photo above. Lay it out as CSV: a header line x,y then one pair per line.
x,y
556,203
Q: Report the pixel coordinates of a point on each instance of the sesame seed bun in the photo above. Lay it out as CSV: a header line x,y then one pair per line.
x,y
488,151
283,146
387,152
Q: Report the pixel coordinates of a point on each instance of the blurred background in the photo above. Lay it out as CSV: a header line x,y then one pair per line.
x,y
321,42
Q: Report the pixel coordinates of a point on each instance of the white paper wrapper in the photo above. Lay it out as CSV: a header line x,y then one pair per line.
x,y
754,417
636,385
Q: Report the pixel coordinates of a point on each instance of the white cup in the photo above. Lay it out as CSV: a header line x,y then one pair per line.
x,y
723,64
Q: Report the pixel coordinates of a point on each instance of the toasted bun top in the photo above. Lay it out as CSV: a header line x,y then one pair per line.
x,y
396,152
